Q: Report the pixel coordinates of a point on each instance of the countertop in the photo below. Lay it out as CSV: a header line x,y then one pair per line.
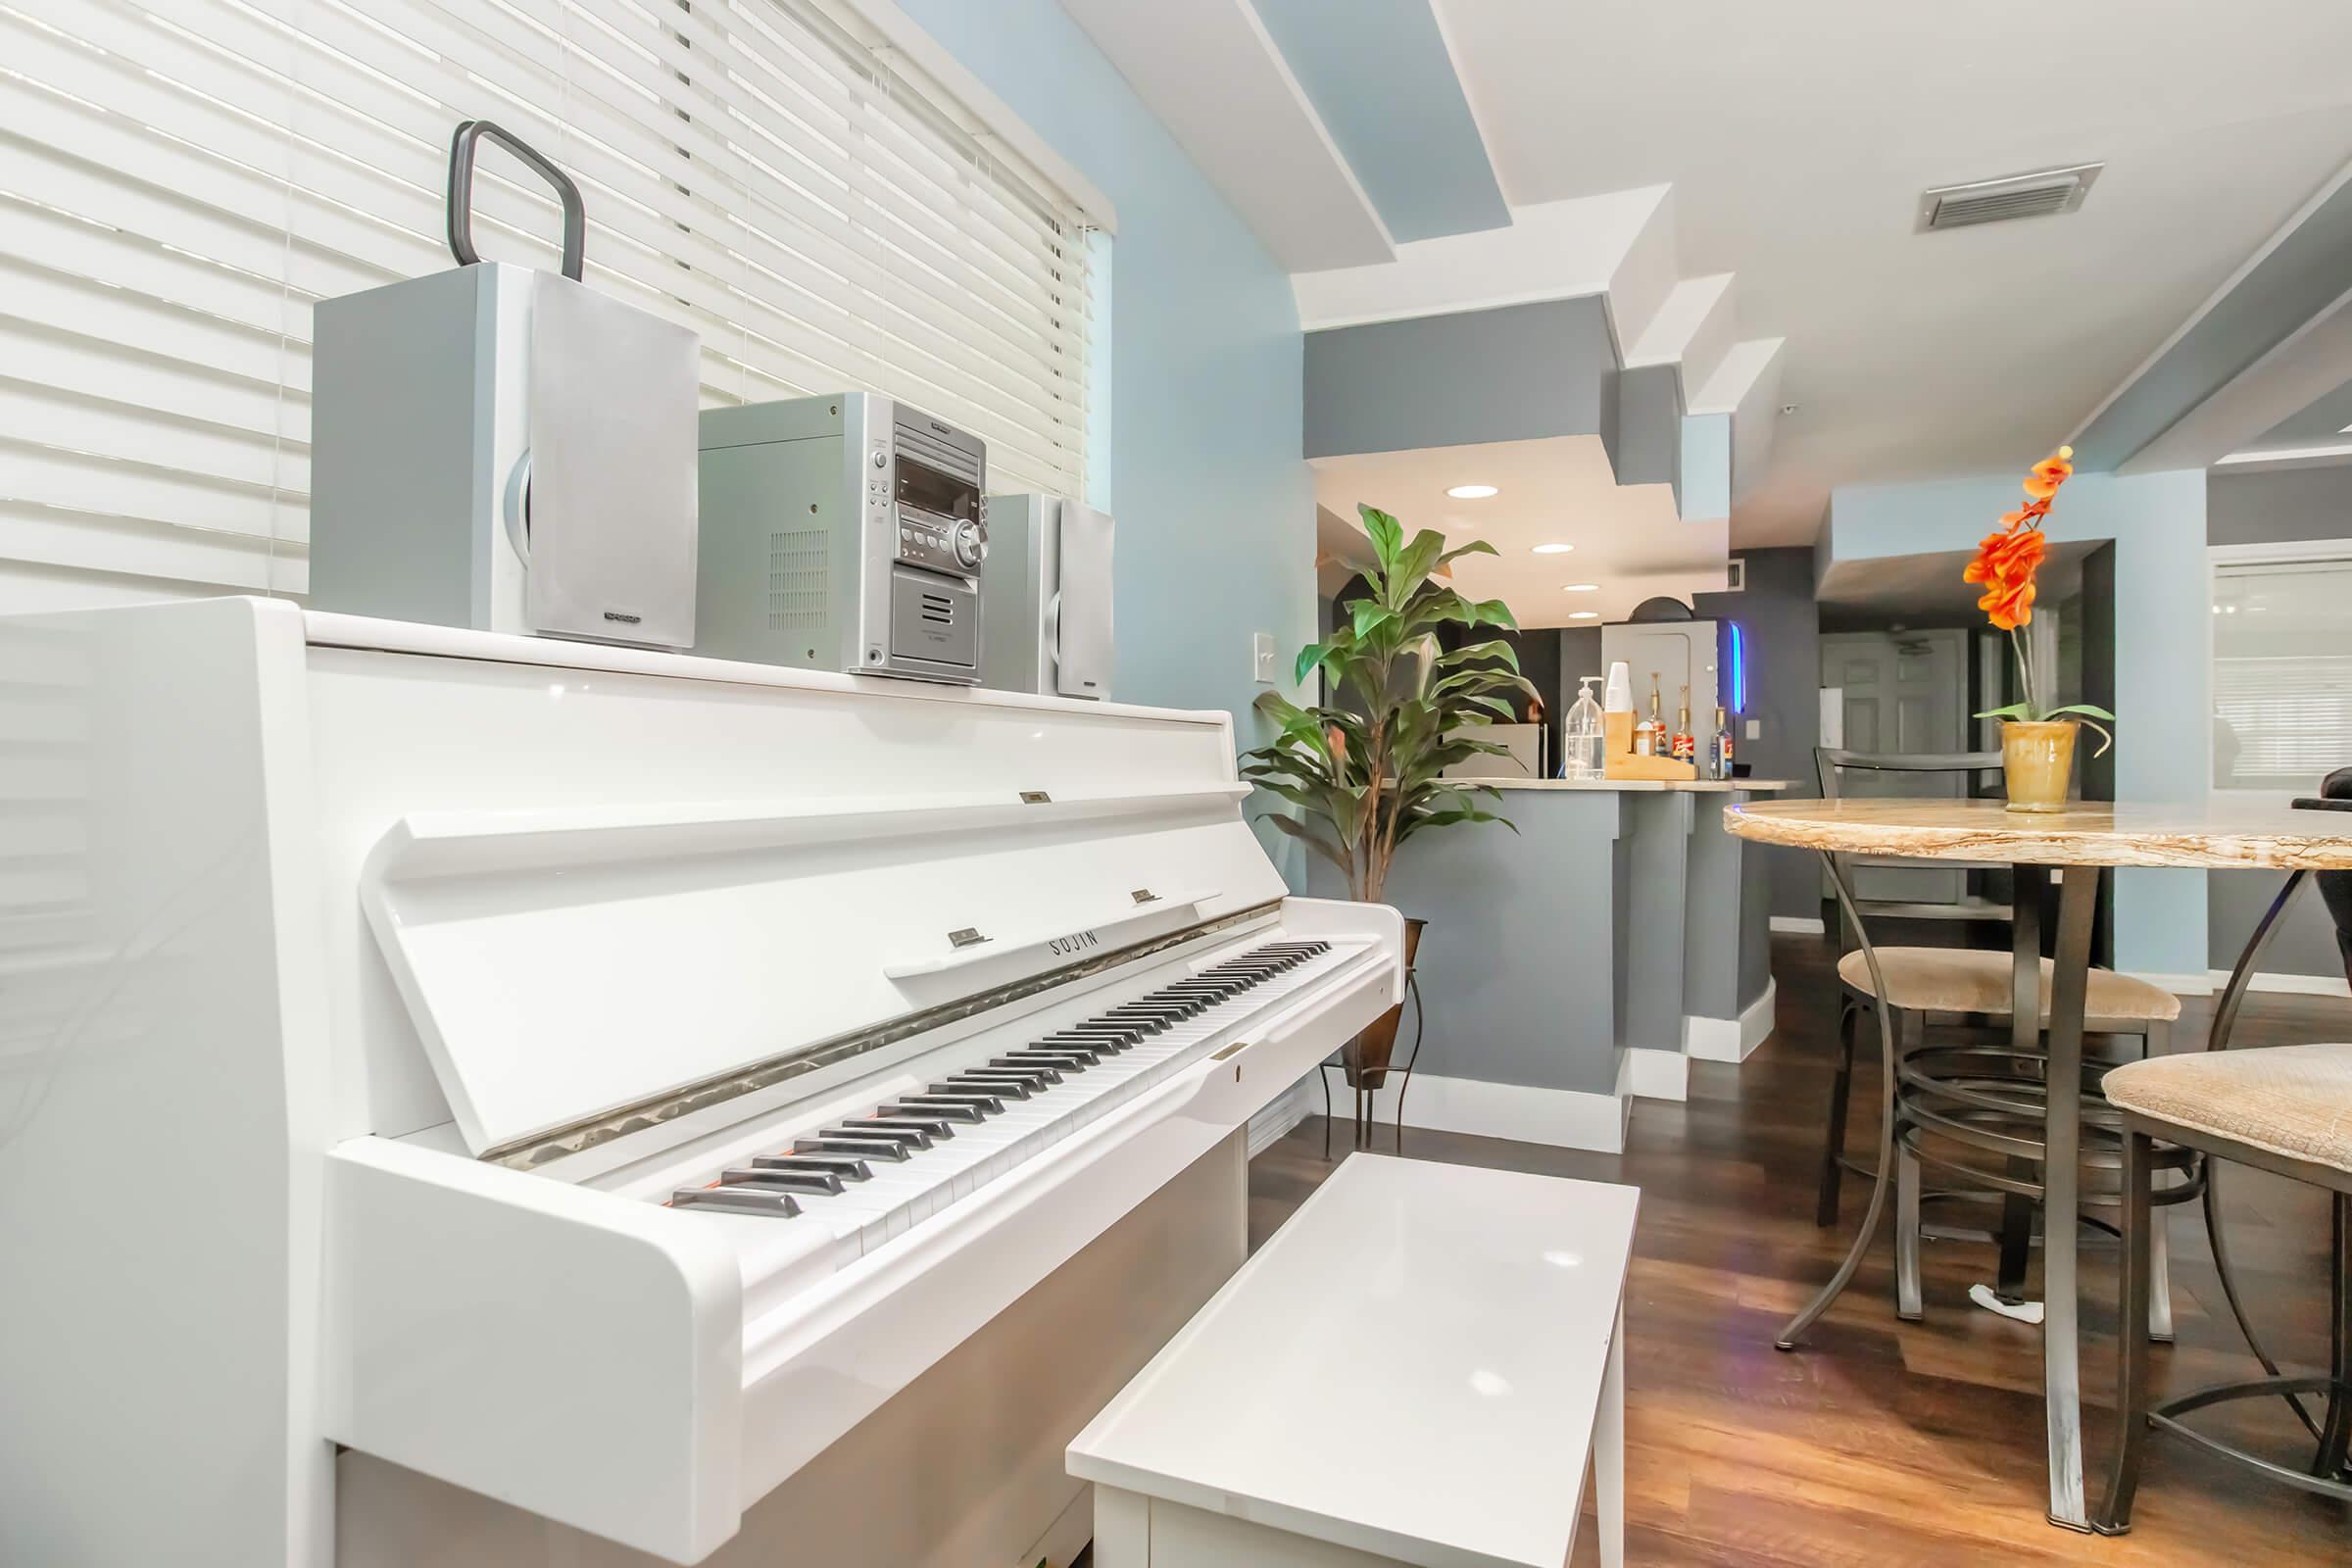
x,y
1697,786
2086,833
1410,1367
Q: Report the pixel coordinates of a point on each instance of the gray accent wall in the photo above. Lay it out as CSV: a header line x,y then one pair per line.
x,y
1649,427
2278,508
1782,628
1517,373
2268,509
1526,950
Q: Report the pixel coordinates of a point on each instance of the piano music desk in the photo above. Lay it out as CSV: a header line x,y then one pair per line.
x,y
1417,1369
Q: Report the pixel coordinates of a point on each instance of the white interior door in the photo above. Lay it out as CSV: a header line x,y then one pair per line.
x,y
1904,692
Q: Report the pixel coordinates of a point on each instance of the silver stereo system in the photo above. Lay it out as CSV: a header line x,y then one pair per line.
x,y
1049,597
842,532
504,449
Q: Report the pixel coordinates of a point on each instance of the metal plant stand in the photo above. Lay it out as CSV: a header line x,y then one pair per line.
x,y
1363,1096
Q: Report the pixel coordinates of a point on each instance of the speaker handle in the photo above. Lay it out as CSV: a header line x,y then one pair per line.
x,y
461,194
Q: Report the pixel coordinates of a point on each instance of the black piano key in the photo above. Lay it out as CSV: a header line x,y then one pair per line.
x,y
932,1119
1080,1044
791,1181
1046,1070
836,1142
1003,1087
1101,1044
912,1132
773,1202
985,1103
1085,1056
848,1167
1123,1033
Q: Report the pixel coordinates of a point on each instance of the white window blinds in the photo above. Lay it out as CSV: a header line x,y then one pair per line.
x,y
181,179
2281,673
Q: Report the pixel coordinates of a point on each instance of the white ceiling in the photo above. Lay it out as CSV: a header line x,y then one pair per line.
x,y
1627,539
1797,139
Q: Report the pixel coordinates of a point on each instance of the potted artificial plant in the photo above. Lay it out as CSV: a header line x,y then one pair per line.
x,y
2037,739
1364,773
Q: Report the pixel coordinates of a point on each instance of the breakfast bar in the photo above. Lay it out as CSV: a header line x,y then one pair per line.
x,y
1581,958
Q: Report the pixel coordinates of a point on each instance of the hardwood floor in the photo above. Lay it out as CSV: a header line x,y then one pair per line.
x,y
1881,1442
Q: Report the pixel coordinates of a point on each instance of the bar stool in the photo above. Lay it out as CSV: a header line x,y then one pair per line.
x,y
2286,1109
1969,1100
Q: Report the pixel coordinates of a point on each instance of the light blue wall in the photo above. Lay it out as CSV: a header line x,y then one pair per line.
x,y
1380,79
2163,735
1216,506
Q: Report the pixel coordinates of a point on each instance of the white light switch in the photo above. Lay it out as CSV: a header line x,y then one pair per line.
x,y
1261,656
1755,730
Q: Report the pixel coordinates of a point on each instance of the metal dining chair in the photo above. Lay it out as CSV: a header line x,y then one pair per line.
x,y
1967,1101
2286,1109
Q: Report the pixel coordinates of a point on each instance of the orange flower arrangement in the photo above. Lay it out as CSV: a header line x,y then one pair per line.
x,y
2005,565
2008,559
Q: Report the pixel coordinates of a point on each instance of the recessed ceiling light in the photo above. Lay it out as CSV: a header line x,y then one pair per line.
x,y
1580,587
1471,492
1584,615
1553,550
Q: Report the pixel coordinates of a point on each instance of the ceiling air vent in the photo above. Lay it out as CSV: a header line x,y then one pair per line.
x,y
1993,201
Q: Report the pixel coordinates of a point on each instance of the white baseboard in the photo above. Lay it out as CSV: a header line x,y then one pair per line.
x,y
1799,925
1282,1112
2290,985
1568,1118
1654,1074
2179,985
1732,1039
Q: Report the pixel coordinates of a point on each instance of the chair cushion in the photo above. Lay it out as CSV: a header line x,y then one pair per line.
x,y
1973,980
2293,1100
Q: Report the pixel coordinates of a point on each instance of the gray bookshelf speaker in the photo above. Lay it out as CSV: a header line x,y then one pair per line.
x,y
504,449
1049,597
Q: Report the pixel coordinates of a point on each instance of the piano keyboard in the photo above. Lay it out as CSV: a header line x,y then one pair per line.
x,y
868,1178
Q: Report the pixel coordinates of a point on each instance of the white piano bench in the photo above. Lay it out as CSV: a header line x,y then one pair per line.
x,y
1418,1368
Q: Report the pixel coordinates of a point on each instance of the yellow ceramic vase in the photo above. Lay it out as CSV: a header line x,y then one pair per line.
x,y
2040,761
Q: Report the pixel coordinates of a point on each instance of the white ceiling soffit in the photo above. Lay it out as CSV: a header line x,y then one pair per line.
x,y
1207,69
1617,244
1922,356
1692,331
1747,385
1628,542
2307,366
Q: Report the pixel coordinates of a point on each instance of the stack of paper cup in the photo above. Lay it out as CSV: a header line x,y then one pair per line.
x,y
1619,696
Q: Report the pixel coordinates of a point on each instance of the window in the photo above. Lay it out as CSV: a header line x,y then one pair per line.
x,y
2282,665
180,179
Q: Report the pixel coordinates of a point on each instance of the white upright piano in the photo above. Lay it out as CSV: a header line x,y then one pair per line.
x,y
474,1099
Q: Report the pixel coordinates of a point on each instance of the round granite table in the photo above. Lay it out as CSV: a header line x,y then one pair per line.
x,y
2078,842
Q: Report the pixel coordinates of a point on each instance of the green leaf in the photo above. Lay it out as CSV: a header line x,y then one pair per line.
x,y
1310,838
2019,711
1476,546
2083,709
1413,566
1387,535
1369,615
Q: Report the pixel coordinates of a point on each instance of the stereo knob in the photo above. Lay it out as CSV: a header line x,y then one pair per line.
x,y
971,547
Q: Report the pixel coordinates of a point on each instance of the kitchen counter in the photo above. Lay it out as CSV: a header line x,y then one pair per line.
x,y
1581,956
1646,786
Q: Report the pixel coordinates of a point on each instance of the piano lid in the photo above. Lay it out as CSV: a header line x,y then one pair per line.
x,y
562,965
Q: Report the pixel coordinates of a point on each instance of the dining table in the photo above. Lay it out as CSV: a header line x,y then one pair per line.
x,y
2075,843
